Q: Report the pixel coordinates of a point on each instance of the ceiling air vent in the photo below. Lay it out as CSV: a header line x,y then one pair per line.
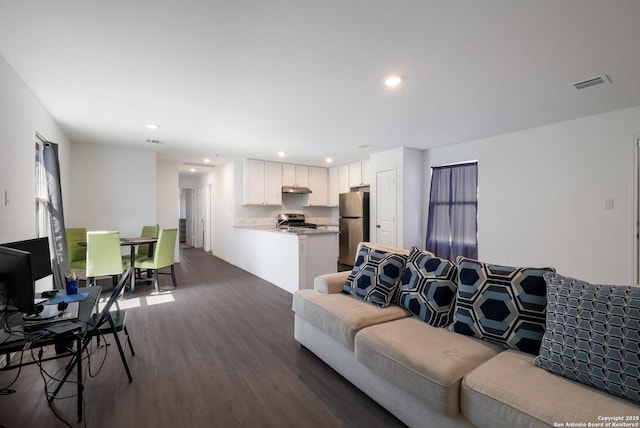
x,y
598,80
154,141
205,165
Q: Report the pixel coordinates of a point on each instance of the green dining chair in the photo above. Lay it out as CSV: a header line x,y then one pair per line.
x,y
147,232
76,253
146,250
104,257
163,256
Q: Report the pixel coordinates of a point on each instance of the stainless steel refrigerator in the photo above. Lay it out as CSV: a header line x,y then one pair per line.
x,y
353,208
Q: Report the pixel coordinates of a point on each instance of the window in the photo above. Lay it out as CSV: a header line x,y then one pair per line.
x,y
42,199
452,226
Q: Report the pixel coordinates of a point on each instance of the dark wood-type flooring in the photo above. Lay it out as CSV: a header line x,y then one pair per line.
x,y
218,351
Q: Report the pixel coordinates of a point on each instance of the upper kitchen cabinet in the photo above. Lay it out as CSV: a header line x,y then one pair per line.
x,y
332,198
295,175
262,182
343,179
318,183
359,174
366,172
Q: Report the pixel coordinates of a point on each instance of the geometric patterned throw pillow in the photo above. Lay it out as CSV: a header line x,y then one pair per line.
x,y
428,287
501,304
375,276
593,335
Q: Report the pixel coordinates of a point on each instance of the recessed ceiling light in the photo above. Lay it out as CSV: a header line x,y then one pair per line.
x,y
394,80
282,154
328,160
192,170
152,126
207,160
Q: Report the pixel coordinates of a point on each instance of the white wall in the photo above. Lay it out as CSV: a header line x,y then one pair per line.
x,y
168,198
167,194
407,163
221,178
412,184
21,116
542,193
113,188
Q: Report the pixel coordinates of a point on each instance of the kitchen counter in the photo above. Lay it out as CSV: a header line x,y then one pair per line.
x,y
288,258
321,230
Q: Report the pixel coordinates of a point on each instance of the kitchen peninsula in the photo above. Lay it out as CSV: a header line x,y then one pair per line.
x,y
287,257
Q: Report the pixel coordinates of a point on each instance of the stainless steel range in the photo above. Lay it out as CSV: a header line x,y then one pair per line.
x,y
293,220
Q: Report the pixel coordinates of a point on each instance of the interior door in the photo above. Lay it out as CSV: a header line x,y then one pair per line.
x,y
206,233
386,208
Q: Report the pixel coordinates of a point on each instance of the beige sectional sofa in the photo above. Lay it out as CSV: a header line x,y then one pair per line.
x,y
432,377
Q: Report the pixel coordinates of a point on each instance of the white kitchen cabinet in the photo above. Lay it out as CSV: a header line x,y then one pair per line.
x,y
333,187
343,179
355,174
318,183
366,172
273,183
359,174
262,182
295,175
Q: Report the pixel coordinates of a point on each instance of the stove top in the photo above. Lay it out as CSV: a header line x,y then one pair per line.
x,y
303,225
293,220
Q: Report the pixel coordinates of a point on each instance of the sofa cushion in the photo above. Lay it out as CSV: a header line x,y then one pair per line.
x,y
341,316
375,275
502,304
510,391
593,335
426,361
428,287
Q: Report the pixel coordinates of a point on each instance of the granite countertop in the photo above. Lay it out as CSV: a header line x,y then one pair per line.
x,y
321,230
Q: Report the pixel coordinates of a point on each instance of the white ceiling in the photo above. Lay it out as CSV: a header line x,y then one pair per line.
x,y
252,77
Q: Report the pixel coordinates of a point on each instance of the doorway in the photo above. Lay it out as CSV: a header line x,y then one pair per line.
x,y
187,216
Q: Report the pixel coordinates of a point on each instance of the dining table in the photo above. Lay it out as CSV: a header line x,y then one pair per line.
x,y
133,243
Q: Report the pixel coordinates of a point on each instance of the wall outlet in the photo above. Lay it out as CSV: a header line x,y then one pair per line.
x,y
608,204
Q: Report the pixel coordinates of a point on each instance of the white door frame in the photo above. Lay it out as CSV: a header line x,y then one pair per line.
x,y
636,208
207,218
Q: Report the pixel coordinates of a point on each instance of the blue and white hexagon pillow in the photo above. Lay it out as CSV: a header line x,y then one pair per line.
x,y
375,276
428,287
501,304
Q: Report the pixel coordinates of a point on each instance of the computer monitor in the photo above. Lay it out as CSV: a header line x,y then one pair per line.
x,y
40,255
16,280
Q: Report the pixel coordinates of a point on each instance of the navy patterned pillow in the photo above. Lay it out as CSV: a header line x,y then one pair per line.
x,y
428,287
375,276
593,335
501,304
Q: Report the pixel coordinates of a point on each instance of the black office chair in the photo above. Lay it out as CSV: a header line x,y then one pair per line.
x,y
101,323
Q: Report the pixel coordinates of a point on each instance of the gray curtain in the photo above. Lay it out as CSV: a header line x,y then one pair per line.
x,y
56,213
452,225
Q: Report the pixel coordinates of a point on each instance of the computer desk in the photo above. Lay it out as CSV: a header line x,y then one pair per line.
x,y
86,308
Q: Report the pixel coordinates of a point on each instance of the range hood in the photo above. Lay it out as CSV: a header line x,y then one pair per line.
x,y
295,189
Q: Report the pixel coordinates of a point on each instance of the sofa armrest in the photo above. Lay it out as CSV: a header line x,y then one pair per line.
x,y
330,283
